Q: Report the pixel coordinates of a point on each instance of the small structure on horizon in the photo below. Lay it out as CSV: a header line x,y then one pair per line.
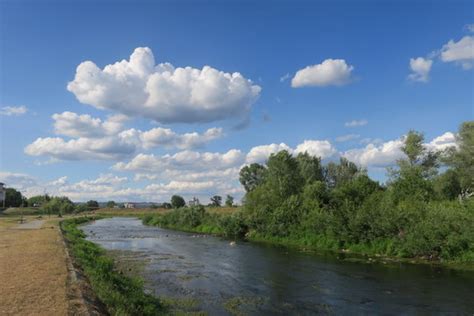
x,y
194,202
129,205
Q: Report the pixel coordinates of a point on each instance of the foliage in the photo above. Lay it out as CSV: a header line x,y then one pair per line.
x,y
229,201
92,204
216,200
122,295
58,205
14,198
177,201
252,176
111,204
38,200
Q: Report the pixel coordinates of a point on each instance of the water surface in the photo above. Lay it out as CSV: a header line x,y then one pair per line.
x,y
266,280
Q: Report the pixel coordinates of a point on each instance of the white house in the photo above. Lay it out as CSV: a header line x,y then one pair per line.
x,y
194,202
129,205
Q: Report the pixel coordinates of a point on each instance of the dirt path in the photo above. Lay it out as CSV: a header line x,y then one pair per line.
x,y
35,224
33,270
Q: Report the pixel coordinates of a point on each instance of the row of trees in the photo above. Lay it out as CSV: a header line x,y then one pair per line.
x,y
425,209
178,201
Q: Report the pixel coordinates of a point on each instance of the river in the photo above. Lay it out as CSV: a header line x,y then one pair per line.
x,y
265,280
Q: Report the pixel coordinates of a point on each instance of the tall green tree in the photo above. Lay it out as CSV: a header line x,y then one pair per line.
x,y
216,200
461,159
177,201
338,174
229,200
412,177
14,198
283,176
310,167
252,176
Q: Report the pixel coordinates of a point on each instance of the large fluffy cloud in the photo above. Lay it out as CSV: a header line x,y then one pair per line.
x,y
331,72
461,51
162,92
420,68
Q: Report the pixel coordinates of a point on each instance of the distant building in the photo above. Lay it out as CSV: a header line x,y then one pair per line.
x,y
194,202
129,205
2,193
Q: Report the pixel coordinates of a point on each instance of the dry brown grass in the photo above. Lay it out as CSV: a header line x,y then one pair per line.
x,y
33,269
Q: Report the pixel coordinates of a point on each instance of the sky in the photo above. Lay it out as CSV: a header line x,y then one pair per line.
x,y
139,100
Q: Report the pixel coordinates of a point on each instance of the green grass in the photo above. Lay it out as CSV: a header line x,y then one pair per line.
x,y
121,294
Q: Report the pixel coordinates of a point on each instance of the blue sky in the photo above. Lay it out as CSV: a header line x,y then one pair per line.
x,y
363,49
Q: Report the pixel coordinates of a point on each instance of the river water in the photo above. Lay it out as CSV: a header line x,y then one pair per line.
x,y
264,280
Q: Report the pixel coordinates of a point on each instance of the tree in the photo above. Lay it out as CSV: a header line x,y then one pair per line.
x,y
59,205
310,167
111,204
252,176
412,178
282,176
13,198
177,201
216,200
91,204
38,200
461,159
338,174
229,200
413,146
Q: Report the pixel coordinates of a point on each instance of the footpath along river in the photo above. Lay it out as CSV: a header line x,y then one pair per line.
x,y
264,280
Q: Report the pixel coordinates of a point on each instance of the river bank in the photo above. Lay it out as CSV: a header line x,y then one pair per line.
x,y
230,226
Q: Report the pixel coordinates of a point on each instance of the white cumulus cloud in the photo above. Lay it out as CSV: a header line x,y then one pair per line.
x,y
318,148
259,154
331,72
461,52
163,92
83,125
420,68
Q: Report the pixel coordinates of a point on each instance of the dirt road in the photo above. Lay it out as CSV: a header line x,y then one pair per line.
x,y
33,270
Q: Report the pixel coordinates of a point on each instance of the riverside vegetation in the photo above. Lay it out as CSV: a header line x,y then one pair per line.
x,y
425,210
122,295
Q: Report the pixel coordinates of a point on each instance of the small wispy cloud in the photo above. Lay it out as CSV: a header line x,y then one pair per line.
x,y
13,110
356,123
285,77
348,137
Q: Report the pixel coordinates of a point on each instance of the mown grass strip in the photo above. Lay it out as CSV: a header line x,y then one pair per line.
x,y
121,294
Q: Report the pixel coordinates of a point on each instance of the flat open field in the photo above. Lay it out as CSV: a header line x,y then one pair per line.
x,y
32,267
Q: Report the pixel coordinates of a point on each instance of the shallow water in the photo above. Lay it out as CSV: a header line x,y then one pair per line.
x,y
264,280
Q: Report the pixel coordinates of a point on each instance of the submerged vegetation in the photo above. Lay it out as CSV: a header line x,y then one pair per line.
x,y
121,294
425,210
